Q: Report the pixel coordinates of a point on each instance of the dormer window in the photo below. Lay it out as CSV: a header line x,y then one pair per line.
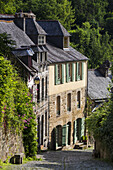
x,y
41,40
66,42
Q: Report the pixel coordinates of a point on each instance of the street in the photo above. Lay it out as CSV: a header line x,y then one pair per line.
x,y
66,160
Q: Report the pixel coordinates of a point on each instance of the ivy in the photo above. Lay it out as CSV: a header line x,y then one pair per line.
x,y
16,107
100,124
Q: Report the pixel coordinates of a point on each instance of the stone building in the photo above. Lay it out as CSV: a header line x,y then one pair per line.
x,y
30,54
45,54
67,87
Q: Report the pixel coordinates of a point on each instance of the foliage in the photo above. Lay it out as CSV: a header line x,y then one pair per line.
x,y
16,106
100,123
91,11
50,10
89,41
6,44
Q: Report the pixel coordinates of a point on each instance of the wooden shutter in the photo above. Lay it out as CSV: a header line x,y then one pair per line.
x,y
67,72
62,73
56,74
73,71
82,70
64,135
82,126
76,71
75,131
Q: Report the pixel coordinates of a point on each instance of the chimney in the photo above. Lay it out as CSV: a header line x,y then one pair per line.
x,y
20,19
103,69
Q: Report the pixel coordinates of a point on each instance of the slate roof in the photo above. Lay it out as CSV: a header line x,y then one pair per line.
x,y
17,34
23,52
32,27
57,55
97,85
53,28
6,16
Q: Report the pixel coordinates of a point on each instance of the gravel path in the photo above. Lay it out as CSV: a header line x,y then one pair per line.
x,y
65,160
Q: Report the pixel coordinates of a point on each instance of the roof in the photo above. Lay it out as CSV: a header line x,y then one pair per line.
x,y
53,28
17,34
6,16
97,85
23,52
32,27
57,55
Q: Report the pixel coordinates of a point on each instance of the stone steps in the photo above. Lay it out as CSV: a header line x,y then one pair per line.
x,y
80,145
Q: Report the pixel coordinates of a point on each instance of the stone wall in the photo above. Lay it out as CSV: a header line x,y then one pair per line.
x,y
101,151
10,144
65,116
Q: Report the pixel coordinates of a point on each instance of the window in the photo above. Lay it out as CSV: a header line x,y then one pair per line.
x,y
46,123
45,56
69,102
66,42
41,57
68,72
38,93
79,70
59,73
46,88
42,88
58,105
41,40
78,99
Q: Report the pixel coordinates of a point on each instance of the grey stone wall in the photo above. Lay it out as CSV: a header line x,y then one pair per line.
x,y
10,144
65,116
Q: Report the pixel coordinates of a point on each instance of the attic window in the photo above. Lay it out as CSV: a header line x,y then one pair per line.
x,y
66,42
41,40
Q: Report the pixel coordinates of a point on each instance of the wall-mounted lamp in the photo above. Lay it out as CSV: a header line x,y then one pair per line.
x,y
37,80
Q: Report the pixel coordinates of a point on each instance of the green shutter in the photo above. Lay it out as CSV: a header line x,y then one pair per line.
x,y
67,72
67,134
82,126
64,135
56,74
73,71
82,70
76,71
62,73
75,131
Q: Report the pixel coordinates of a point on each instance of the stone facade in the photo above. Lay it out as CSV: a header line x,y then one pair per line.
x,y
42,110
10,144
65,117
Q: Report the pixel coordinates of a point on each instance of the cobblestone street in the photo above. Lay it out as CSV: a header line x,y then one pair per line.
x,y
65,160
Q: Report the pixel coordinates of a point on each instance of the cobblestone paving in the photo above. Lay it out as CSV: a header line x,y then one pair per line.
x,y
66,160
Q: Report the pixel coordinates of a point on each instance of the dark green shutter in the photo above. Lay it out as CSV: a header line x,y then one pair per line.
x,y
56,74
73,71
82,70
67,72
64,135
76,71
62,73
75,131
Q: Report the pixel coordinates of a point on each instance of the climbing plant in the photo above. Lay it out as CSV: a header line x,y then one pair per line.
x,y
16,107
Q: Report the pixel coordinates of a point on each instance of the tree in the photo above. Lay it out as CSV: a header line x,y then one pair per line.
x,y
89,41
100,124
50,10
